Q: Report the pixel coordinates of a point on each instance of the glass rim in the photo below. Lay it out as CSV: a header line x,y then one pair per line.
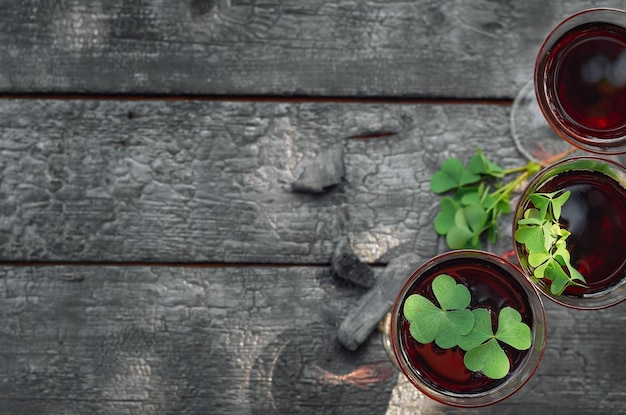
x,y
517,379
615,294
587,142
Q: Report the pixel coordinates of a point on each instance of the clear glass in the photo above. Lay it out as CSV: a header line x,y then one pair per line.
x,y
580,80
595,213
533,136
488,275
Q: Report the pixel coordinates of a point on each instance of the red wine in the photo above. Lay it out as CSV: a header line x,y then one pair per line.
x,y
491,287
595,214
586,80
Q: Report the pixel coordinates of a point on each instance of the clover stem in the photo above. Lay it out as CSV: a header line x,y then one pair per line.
x,y
530,167
507,189
516,169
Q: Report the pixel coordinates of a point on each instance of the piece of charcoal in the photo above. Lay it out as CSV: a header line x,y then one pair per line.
x,y
322,173
376,302
349,267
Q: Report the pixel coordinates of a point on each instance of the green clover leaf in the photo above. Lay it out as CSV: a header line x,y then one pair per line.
x,y
451,175
483,351
469,223
559,279
531,236
445,324
445,218
488,358
472,196
532,217
481,331
479,164
550,203
512,331
449,294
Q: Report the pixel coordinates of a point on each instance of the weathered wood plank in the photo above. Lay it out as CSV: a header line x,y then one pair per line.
x,y
246,340
194,181
267,47
129,340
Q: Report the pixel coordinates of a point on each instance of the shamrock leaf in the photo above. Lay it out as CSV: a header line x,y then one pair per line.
x,y
488,358
512,331
452,175
550,203
472,195
557,204
531,217
560,280
541,261
459,237
424,316
445,218
468,225
445,324
449,294
575,275
531,236
481,331
479,164
484,352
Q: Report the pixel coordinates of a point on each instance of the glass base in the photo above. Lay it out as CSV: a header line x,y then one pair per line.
x,y
532,134
384,327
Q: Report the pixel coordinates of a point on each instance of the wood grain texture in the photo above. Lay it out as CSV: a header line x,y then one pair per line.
x,y
482,49
246,340
128,340
197,181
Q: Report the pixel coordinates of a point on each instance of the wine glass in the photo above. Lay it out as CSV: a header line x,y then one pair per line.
x,y
595,215
494,284
579,88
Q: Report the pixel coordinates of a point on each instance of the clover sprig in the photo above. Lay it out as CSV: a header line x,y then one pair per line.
x,y
544,240
453,324
477,198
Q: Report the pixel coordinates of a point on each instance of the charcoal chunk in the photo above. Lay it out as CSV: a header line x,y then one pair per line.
x,y
349,267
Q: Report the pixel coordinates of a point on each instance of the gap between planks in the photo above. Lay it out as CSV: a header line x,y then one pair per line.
x,y
169,264
265,98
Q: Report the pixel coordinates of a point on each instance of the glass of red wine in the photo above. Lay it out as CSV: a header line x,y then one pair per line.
x,y
579,88
494,284
595,216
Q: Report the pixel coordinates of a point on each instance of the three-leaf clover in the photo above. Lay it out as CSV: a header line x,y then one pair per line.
x,y
483,350
454,324
445,324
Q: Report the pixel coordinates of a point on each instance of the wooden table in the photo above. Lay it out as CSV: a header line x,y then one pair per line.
x,y
155,256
